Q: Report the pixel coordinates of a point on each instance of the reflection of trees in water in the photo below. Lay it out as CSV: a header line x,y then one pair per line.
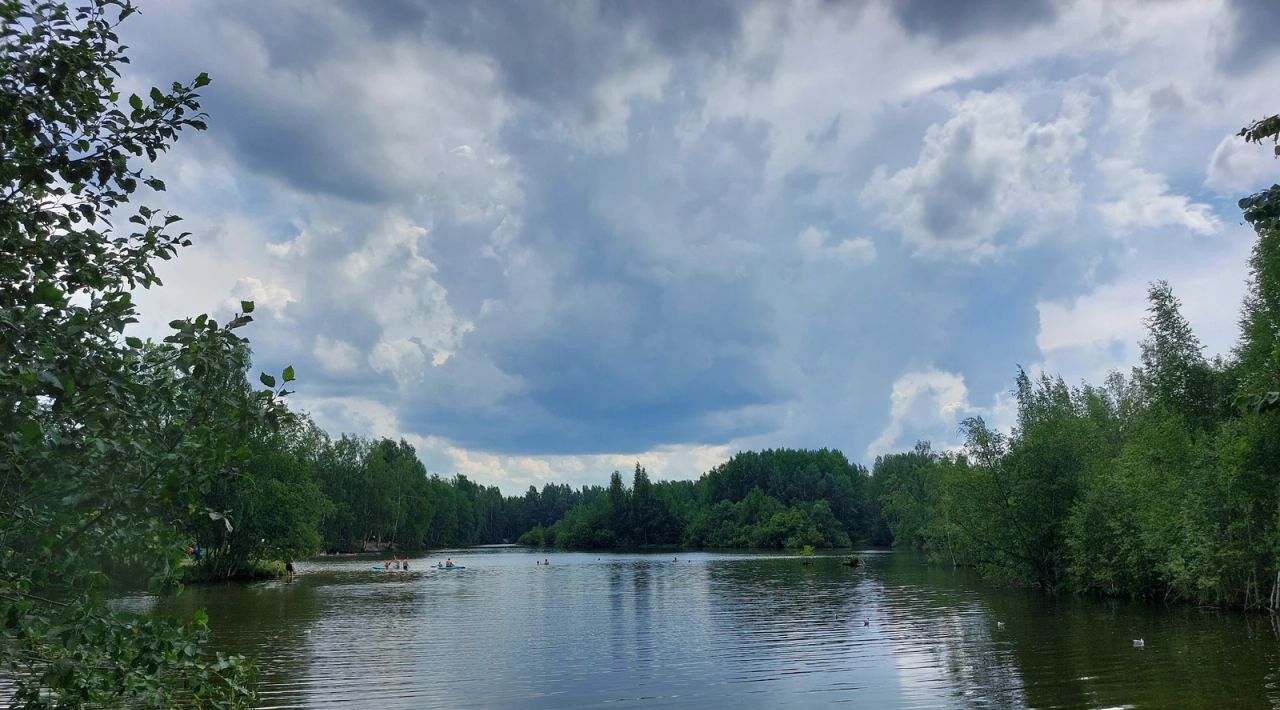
x,y
936,620
798,627
639,628
648,601
266,620
1077,652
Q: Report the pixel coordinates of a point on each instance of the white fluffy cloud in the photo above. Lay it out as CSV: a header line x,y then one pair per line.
x,y
989,176
924,399
1144,201
1236,167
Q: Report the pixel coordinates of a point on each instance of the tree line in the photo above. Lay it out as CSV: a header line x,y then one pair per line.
x,y
1161,484
295,491
781,498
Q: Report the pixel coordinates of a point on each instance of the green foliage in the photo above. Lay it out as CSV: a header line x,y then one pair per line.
x,y
1261,130
107,443
378,493
909,488
772,499
275,504
1151,487
1174,373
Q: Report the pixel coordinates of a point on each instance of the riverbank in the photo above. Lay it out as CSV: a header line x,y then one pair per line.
x,y
260,570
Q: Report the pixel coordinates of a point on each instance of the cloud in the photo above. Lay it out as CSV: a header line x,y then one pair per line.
x,y
336,356
1237,167
815,243
922,399
1085,336
987,177
265,295
1251,37
947,21
1144,202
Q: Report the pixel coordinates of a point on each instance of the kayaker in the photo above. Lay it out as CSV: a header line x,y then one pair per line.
x,y
386,565
448,563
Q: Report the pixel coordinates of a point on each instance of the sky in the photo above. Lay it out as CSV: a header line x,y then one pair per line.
x,y
542,241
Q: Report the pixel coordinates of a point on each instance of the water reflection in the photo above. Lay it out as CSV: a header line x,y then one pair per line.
x,y
750,631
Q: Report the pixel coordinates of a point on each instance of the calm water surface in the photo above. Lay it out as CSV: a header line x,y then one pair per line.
x,y
743,631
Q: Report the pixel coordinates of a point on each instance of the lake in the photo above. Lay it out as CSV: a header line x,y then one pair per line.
x,y
736,630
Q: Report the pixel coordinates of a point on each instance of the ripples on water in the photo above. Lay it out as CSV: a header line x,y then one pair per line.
x,y
718,630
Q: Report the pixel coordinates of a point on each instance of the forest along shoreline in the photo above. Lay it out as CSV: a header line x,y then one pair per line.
x,y
1157,484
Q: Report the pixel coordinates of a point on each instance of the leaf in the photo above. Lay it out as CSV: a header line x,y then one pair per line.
x,y
246,306
288,374
48,294
267,380
50,379
136,102
133,342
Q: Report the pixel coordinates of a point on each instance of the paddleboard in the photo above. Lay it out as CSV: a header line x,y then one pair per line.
x,y
448,569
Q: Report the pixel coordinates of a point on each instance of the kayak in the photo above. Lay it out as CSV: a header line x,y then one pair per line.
x,y
447,569
380,568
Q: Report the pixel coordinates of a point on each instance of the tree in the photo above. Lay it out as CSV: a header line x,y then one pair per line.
x,y
276,504
1258,352
106,442
1174,373
910,493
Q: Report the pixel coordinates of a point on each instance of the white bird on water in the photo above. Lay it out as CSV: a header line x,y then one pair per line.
x,y
1139,643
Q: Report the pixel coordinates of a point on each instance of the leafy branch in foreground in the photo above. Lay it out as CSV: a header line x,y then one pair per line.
x,y
106,442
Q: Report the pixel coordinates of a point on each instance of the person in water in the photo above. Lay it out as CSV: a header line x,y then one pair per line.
x,y
406,565
546,562
288,569
448,563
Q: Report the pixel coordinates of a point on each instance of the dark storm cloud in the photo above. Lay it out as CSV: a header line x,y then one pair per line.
x,y
953,20
314,156
960,192
305,121
649,333
1253,34
556,53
